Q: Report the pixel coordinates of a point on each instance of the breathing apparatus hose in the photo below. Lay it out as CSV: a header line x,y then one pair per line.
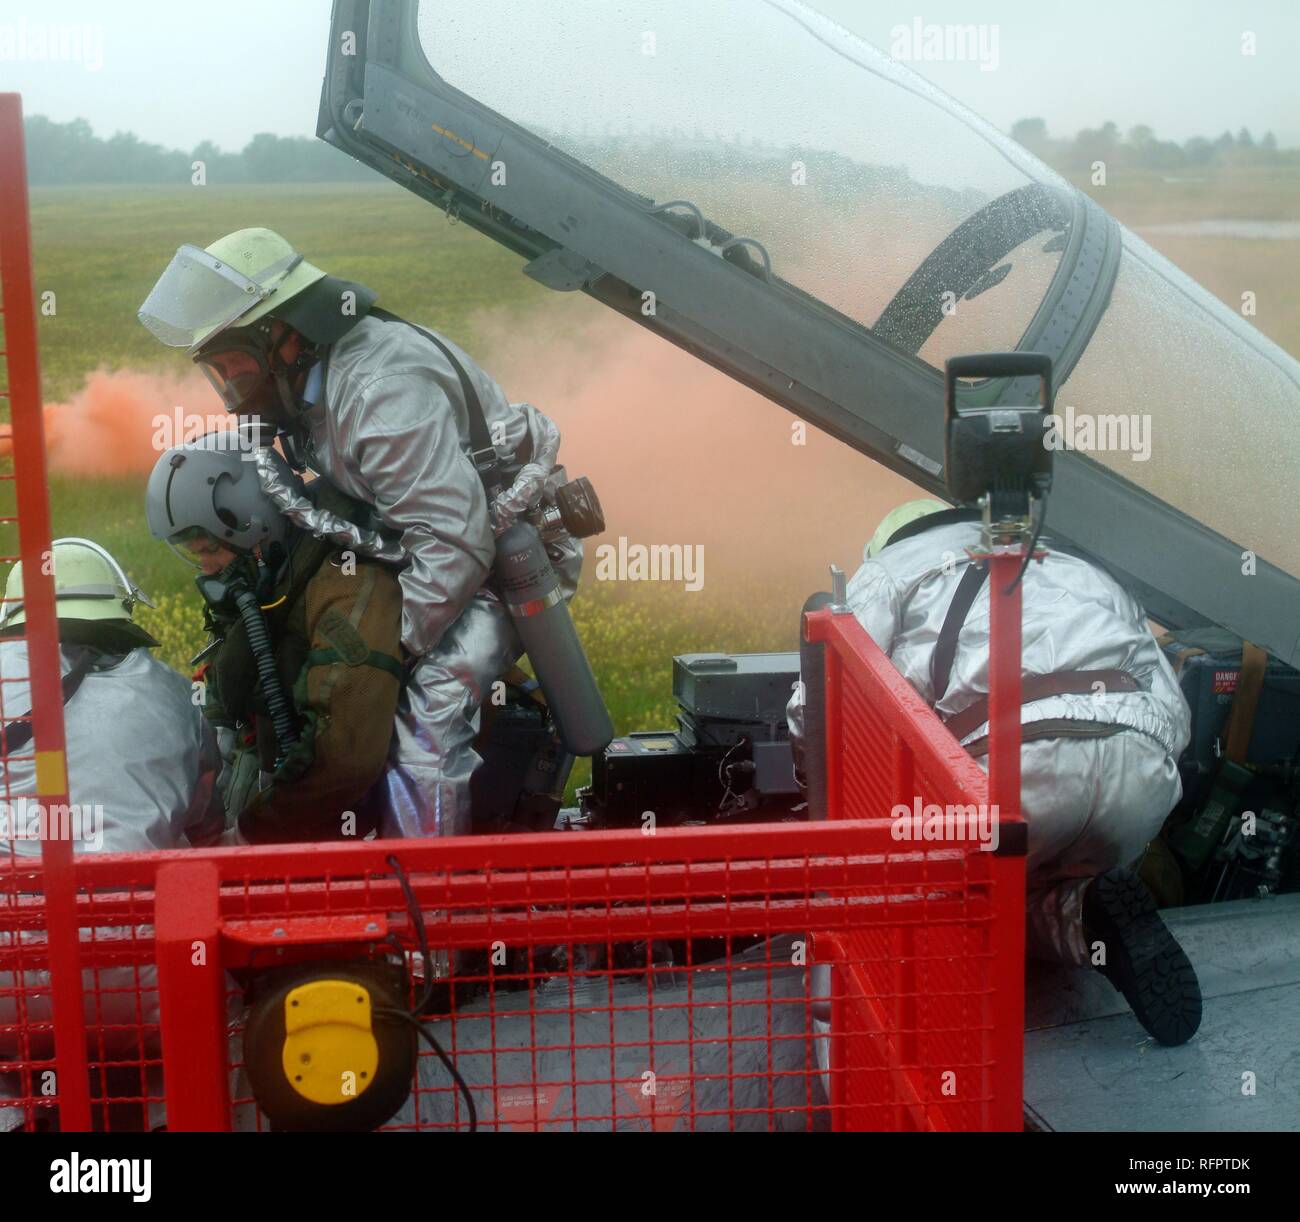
x,y
277,699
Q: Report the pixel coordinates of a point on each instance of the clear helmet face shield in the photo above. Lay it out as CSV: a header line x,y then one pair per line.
x,y
198,295
219,570
201,550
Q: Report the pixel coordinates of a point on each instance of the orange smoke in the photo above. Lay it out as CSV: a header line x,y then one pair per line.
x,y
679,453
120,421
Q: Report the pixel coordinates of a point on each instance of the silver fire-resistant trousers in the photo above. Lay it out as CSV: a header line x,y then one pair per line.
x,y
432,756
1091,804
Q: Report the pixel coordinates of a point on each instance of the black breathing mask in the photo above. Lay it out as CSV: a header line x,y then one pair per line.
x,y
245,574
241,591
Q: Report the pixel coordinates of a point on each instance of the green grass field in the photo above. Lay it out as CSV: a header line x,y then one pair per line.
x,y
100,249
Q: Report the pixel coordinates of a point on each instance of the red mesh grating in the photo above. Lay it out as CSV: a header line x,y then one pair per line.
x,y
585,981
930,995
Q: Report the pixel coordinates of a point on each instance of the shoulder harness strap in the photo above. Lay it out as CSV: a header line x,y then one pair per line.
x,y
945,649
483,452
18,733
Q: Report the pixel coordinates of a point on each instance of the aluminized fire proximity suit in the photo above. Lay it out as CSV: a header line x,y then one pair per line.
x,y
140,749
1093,796
391,428
137,746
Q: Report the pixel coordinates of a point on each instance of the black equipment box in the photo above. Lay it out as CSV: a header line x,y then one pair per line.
x,y
728,758
520,784
743,687
1208,664
651,771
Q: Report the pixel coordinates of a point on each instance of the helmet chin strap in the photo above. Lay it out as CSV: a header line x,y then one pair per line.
x,y
285,373
290,404
291,407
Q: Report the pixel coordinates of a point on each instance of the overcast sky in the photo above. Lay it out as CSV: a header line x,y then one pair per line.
x,y
176,74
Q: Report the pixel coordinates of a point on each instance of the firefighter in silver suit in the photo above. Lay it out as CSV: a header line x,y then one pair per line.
x,y
388,413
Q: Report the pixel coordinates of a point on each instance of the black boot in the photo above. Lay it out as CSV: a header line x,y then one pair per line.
x,y
1143,960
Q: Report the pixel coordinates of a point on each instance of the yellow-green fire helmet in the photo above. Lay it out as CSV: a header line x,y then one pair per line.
x,y
897,518
237,280
88,585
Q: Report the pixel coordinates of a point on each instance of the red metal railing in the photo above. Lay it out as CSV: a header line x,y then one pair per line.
x,y
824,975
684,959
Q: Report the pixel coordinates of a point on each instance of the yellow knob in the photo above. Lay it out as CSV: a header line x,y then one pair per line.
x,y
330,1054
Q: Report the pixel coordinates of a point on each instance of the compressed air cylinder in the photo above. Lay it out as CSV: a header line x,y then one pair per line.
x,y
531,589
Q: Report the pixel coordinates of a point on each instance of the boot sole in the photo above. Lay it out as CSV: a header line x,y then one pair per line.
x,y
1144,960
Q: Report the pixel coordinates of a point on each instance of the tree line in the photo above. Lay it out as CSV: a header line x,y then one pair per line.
x,y
72,153
1140,148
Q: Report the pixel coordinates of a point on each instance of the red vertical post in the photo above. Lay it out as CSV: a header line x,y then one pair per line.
x,y
1004,683
842,1121
1007,932
191,997
1007,995
42,632
834,729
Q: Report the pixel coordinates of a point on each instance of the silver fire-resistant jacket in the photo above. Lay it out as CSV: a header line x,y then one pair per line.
x,y
391,428
142,760
142,766
1090,803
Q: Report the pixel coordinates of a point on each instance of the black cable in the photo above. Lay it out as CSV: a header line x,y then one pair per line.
x,y
422,1028
725,781
722,763
413,1017
421,936
1033,544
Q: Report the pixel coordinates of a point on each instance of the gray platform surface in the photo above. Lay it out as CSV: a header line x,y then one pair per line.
x,y
1089,1065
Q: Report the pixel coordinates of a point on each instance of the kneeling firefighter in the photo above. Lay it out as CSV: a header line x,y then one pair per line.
x,y
142,774
403,421
1103,725
139,753
304,669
